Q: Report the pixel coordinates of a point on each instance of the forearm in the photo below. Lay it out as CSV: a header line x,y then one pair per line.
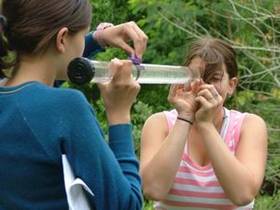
x,y
158,175
236,180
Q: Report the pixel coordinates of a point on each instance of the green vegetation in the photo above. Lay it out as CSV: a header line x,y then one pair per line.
x,y
251,26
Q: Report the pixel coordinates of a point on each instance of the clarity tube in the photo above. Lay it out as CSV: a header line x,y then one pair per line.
x,y
83,70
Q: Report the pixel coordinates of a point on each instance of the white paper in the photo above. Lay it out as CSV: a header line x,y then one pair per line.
x,y
74,188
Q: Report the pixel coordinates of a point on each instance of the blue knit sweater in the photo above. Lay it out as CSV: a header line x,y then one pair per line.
x,y
39,123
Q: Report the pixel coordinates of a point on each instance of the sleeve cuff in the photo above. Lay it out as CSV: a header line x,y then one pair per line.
x,y
91,46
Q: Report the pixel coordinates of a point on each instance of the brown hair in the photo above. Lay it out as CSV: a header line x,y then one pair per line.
x,y
31,25
215,53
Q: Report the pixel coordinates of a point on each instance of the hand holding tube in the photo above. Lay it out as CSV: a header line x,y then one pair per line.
x,y
120,92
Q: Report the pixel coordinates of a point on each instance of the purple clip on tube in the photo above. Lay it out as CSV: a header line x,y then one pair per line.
x,y
137,62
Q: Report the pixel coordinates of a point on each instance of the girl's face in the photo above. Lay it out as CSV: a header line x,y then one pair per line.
x,y
219,78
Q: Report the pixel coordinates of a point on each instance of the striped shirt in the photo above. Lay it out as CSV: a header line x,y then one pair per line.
x,y
197,187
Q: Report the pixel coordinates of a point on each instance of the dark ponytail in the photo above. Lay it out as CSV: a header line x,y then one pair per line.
x,y
3,47
32,25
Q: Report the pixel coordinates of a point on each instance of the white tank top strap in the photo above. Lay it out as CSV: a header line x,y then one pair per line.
x,y
232,136
171,117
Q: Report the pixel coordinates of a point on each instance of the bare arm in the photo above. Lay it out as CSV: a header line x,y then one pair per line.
x,y
161,154
161,150
241,175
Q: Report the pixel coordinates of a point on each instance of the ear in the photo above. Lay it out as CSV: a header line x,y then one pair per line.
x,y
61,39
232,85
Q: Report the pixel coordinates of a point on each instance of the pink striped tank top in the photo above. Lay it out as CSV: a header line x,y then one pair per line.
x,y
196,187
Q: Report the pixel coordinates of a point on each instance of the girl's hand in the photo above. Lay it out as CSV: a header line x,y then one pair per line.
x,y
209,100
120,35
120,93
183,98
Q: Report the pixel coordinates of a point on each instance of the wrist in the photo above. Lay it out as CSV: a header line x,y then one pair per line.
x,y
204,125
118,118
186,120
187,116
98,34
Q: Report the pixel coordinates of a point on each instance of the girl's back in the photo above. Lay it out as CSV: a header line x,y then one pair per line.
x,y
32,130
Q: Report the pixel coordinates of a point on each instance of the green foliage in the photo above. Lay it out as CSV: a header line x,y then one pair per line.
x,y
148,205
114,12
268,202
141,112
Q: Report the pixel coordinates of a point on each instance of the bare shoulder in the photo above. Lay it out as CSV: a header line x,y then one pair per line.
x,y
156,117
156,121
254,125
252,120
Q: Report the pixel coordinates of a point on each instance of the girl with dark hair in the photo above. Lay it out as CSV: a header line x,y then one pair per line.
x,y
202,155
39,123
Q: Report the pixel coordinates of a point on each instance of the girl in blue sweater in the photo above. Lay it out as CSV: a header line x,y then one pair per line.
x,y
39,123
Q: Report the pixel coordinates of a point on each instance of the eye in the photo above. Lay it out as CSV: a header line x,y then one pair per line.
x,y
216,78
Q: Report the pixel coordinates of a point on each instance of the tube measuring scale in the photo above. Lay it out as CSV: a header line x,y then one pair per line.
x,y
83,70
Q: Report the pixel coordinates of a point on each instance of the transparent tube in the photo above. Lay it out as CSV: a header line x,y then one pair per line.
x,y
146,73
